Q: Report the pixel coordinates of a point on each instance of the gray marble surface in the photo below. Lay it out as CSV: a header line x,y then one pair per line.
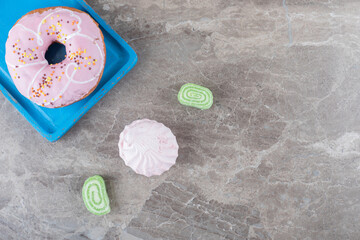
x,y
276,157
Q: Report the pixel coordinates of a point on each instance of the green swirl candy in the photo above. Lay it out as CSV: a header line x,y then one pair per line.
x,y
94,195
195,96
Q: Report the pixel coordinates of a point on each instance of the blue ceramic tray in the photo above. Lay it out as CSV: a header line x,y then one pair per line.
x,y
54,123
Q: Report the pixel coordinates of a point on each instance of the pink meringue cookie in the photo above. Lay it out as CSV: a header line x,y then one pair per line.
x,y
148,147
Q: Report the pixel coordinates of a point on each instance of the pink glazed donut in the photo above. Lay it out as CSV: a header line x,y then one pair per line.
x,y
63,83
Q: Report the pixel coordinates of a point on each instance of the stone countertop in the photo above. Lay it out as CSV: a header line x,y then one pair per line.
x,y
276,157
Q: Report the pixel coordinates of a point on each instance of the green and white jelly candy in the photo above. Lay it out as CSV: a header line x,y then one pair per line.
x,y
95,197
195,96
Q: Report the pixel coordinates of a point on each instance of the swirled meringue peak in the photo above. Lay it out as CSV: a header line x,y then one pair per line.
x,y
148,147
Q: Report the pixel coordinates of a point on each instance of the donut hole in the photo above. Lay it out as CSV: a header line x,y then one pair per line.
x,y
55,53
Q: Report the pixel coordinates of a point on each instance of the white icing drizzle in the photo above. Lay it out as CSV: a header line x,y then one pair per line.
x,y
33,80
78,26
26,65
36,34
